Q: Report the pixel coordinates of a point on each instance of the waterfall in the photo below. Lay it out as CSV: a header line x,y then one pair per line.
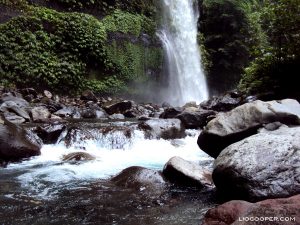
x,y
186,80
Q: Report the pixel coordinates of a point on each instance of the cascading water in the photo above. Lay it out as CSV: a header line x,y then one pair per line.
x,y
186,81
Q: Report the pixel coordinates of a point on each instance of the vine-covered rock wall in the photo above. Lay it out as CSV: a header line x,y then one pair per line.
x,y
106,46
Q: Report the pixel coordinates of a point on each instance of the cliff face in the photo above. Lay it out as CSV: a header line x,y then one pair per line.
x,y
108,46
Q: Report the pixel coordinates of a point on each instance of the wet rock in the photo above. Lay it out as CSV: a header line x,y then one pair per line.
x,y
170,113
223,103
244,121
52,105
186,173
20,102
40,114
265,165
15,144
29,91
11,106
101,114
118,108
110,137
88,113
13,118
49,133
88,95
141,179
162,128
48,94
190,104
76,157
270,211
117,116
193,118
68,112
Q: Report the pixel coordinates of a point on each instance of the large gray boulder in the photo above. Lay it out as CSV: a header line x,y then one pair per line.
x,y
141,179
15,144
265,165
243,121
162,128
186,173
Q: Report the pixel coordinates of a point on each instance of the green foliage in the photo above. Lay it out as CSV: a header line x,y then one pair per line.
x,y
47,49
225,30
62,51
132,60
275,68
120,21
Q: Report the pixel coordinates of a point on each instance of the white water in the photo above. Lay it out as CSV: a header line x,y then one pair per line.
x,y
179,36
44,175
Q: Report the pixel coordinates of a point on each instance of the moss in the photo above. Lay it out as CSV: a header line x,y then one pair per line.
x,y
45,48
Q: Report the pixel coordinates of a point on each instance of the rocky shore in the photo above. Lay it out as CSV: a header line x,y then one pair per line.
x,y
255,144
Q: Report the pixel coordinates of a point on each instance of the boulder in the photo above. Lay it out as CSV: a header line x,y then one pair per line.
x,y
117,116
265,165
15,144
244,121
186,173
141,179
76,157
11,106
162,128
88,95
271,211
13,118
119,107
49,133
223,103
171,112
48,94
88,113
193,118
20,102
40,114
68,112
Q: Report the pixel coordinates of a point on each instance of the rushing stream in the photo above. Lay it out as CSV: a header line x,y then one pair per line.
x,y
179,37
47,190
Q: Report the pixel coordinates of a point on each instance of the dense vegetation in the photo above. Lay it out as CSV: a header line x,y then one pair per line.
x,y
110,45
45,48
258,39
275,67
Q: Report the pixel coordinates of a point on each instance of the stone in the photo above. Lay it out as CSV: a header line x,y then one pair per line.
x,y
15,144
48,94
171,113
222,103
49,133
118,108
20,102
186,173
265,165
88,113
244,121
141,179
88,95
193,118
117,116
76,157
40,114
162,128
13,118
271,211
11,106
66,112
